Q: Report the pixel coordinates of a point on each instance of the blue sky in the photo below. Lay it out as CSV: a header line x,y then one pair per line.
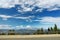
x,y
28,14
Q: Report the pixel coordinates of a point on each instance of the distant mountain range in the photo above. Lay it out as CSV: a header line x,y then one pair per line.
x,y
21,31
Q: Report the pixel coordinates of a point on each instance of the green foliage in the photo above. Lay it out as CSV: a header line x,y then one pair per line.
x,y
51,29
48,29
55,27
39,31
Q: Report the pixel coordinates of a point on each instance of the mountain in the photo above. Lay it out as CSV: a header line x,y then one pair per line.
x,y
20,31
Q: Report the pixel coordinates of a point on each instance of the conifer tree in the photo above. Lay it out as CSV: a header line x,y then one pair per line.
x,y
55,27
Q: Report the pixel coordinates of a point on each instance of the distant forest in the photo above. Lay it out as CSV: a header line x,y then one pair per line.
x,y
54,30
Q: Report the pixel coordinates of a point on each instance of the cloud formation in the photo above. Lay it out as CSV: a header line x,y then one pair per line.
x,y
49,20
22,27
16,27
6,17
6,27
29,5
46,22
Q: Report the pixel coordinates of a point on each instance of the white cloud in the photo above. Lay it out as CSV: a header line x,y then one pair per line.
x,y
3,26
22,27
49,20
6,4
19,27
6,27
52,9
21,17
46,22
27,18
28,27
27,9
6,17
48,4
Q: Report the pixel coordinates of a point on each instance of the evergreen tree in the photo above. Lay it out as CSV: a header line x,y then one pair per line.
x,y
55,28
51,29
48,29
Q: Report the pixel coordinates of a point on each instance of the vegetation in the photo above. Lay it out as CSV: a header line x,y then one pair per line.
x,y
50,30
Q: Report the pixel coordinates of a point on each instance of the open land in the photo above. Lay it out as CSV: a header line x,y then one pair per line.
x,y
30,37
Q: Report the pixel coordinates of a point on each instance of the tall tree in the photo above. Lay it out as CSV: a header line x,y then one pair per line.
x,y
51,29
55,27
48,29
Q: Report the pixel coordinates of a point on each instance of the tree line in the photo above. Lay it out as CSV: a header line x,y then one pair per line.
x,y
54,30
51,30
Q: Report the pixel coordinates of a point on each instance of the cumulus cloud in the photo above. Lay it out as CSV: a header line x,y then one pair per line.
x,y
29,5
6,4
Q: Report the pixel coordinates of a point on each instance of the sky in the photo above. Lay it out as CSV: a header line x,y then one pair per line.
x,y
29,14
